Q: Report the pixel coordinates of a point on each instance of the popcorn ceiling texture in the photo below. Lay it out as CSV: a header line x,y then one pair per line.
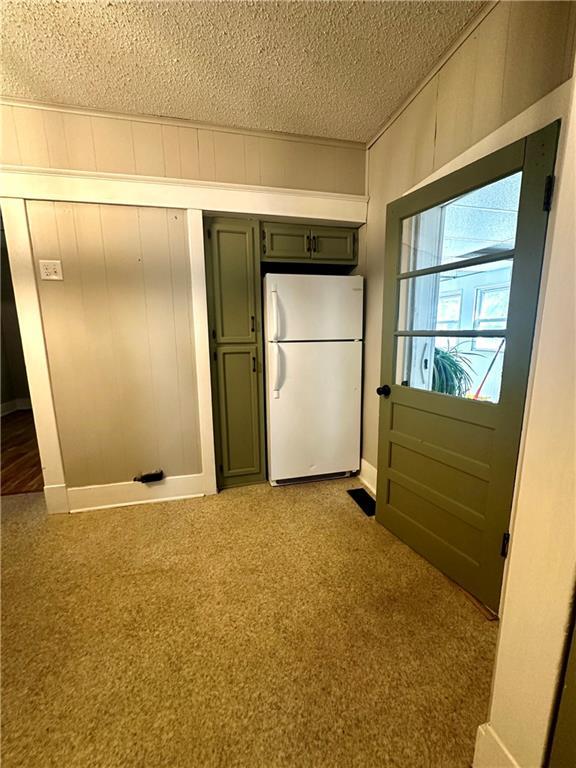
x,y
331,69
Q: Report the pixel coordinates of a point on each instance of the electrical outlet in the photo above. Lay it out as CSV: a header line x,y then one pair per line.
x,y
50,270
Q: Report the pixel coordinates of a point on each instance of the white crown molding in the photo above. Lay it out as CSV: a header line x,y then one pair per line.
x,y
29,183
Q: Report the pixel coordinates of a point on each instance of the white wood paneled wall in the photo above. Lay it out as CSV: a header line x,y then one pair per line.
x,y
120,339
45,137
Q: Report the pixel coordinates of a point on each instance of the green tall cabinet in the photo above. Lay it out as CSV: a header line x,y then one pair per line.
x,y
233,271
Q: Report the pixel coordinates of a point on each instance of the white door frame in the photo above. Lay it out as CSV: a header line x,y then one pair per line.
x,y
21,184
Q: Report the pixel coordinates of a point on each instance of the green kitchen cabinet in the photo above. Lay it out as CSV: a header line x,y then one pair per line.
x,y
235,320
285,242
333,244
234,281
303,244
240,414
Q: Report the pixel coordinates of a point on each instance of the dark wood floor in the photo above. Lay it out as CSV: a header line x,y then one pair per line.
x,y
21,471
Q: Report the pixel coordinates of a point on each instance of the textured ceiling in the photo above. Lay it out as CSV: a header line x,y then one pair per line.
x,y
334,69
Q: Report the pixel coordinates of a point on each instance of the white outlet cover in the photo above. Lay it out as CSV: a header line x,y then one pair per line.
x,y
50,270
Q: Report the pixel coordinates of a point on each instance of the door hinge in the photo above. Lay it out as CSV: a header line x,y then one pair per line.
x,y
548,193
214,355
505,544
209,234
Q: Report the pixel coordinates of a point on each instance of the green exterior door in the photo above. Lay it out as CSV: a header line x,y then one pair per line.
x,y
234,304
333,244
462,272
285,242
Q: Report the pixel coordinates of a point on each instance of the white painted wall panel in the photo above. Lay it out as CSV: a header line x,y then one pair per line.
x,y
119,336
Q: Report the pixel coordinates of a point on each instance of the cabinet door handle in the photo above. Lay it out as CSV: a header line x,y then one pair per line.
x,y
252,326
314,243
253,364
308,243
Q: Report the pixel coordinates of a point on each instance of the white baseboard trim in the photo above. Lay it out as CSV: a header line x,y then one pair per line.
x,y
125,494
368,476
20,404
56,499
490,752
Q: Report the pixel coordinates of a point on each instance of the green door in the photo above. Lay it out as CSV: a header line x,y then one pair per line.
x,y
285,242
463,259
333,244
234,309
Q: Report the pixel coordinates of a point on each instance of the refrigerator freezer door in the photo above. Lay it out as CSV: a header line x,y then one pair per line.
x,y
314,421
313,307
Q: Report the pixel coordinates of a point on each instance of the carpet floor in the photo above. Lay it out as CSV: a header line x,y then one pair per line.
x,y
261,627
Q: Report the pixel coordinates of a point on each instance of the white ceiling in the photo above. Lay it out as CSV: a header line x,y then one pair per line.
x,y
333,69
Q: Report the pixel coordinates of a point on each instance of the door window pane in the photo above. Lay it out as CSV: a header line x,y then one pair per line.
x,y
451,366
480,222
490,312
468,298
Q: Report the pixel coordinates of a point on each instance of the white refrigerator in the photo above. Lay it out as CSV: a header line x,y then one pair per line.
x,y
313,334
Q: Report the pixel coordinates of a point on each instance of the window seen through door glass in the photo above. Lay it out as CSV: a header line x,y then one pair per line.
x,y
469,298
480,222
451,366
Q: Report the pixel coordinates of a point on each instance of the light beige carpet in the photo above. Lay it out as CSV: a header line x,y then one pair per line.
x,y
260,628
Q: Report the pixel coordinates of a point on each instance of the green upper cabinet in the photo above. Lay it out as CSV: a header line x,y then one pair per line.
x,y
333,244
285,242
234,281
308,245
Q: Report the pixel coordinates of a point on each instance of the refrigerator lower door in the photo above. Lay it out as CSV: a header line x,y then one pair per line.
x,y
313,307
314,394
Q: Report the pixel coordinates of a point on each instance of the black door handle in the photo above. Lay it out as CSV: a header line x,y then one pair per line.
x,y
384,391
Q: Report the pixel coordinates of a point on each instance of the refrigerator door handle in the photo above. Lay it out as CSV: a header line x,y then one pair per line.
x,y
276,320
277,382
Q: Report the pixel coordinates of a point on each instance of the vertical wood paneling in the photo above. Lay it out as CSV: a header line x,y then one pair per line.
x,y
229,160
80,142
100,370
9,150
125,283
206,159
119,335
273,162
540,34
164,404
60,139
56,139
489,83
53,237
148,149
113,145
29,125
455,108
252,159
171,148
188,152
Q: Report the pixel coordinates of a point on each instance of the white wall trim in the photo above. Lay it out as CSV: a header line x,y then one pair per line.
x,y
56,498
33,345
28,183
490,752
368,476
19,404
183,123
127,494
195,233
